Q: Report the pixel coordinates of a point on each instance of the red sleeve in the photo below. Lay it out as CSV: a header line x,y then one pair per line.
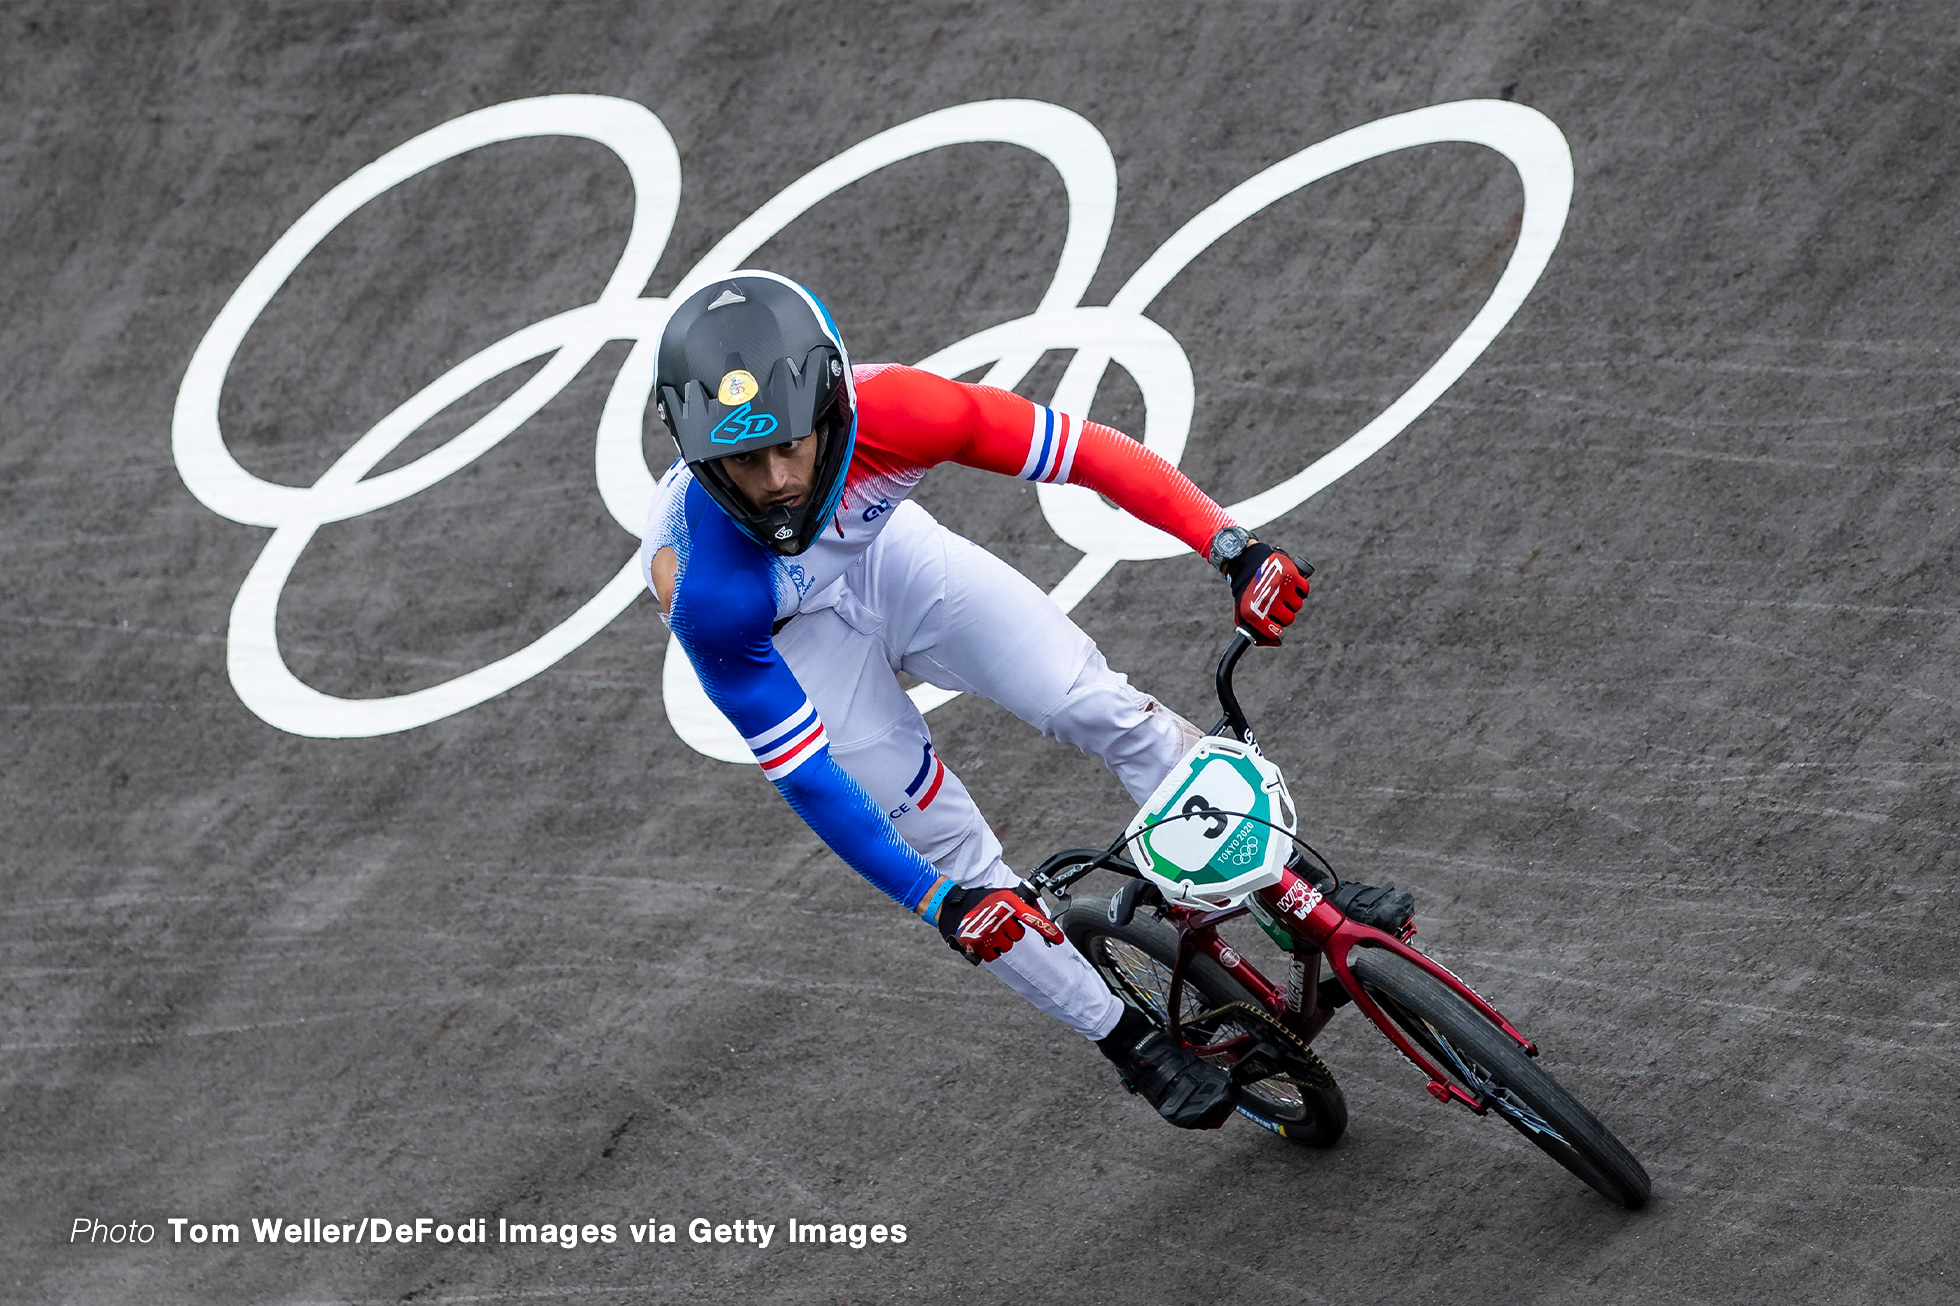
x,y
910,420
1145,486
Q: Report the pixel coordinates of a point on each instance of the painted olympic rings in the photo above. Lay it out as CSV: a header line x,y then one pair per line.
x,y
1099,336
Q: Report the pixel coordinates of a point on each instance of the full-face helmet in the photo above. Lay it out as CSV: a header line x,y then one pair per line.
x,y
749,361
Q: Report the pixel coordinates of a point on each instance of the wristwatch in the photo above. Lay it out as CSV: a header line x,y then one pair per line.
x,y
1228,544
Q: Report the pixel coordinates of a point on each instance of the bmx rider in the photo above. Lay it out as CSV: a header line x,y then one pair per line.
x,y
800,579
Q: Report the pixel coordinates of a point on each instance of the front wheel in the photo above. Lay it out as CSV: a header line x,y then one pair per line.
x,y
1491,1067
1303,1106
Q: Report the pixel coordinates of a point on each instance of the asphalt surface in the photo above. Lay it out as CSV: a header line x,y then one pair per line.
x,y
1634,656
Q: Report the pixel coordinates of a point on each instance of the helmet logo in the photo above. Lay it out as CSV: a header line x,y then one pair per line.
x,y
738,387
742,425
784,532
727,297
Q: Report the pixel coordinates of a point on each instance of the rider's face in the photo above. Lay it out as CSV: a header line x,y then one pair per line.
x,y
781,474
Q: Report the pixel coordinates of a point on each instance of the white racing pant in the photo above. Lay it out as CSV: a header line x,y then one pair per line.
x,y
926,601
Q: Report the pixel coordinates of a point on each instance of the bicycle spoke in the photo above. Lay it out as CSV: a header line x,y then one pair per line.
x,y
1483,1086
1301,1103
1149,980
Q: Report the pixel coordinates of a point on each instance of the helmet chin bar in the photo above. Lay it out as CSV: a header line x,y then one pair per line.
x,y
778,527
775,528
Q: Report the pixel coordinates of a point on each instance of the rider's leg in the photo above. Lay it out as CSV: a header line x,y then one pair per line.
x,y
955,615
877,735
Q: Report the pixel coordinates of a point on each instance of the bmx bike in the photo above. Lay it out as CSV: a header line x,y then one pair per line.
x,y
1215,843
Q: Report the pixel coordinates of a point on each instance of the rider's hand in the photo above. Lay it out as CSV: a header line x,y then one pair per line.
x,y
984,923
1269,588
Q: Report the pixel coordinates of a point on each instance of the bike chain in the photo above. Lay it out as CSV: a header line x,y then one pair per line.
x,y
1307,1067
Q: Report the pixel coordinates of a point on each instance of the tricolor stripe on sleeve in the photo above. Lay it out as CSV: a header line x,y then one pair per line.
x,y
925,785
790,743
1051,446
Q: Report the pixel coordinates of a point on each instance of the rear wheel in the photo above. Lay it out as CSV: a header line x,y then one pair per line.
x,y
1490,1066
1303,1105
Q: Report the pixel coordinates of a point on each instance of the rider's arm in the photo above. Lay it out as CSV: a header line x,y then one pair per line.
x,y
907,416
723,622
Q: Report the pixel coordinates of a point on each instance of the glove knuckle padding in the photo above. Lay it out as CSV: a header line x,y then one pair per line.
x,y
992,925
990,916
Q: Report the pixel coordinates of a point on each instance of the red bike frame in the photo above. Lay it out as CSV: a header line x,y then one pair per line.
x,y
1318,928
1324,931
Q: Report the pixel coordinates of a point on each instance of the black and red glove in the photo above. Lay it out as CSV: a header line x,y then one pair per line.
x,y
1269,589
984,923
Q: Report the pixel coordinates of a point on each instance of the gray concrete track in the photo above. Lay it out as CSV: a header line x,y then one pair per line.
x,y
1634,656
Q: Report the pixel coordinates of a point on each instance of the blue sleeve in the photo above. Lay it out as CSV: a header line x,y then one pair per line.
x,y
724,605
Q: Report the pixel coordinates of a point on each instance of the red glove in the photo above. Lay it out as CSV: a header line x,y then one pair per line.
x,y
1269,588
984,923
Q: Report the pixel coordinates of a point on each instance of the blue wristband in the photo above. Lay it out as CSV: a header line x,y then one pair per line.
x,y
929,905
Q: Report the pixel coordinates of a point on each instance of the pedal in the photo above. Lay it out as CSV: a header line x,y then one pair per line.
x,y
1262,1062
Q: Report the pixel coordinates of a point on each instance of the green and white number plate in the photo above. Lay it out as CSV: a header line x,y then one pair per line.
x,y
1202,848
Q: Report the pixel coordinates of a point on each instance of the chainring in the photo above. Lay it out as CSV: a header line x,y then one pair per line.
x,y
1295,1059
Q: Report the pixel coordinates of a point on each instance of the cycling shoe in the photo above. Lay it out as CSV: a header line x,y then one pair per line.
x,y
1187,1092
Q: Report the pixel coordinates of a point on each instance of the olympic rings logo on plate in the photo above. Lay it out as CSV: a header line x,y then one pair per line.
x,y
1118,333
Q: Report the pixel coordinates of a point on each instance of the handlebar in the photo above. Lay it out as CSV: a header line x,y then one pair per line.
x,y
1228,699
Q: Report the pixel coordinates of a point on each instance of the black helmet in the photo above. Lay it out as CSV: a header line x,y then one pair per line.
x,y
749,361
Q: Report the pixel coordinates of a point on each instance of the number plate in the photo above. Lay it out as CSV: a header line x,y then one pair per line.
x,y
1207,835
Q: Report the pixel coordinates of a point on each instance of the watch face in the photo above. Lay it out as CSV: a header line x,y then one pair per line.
x,y
1229,544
